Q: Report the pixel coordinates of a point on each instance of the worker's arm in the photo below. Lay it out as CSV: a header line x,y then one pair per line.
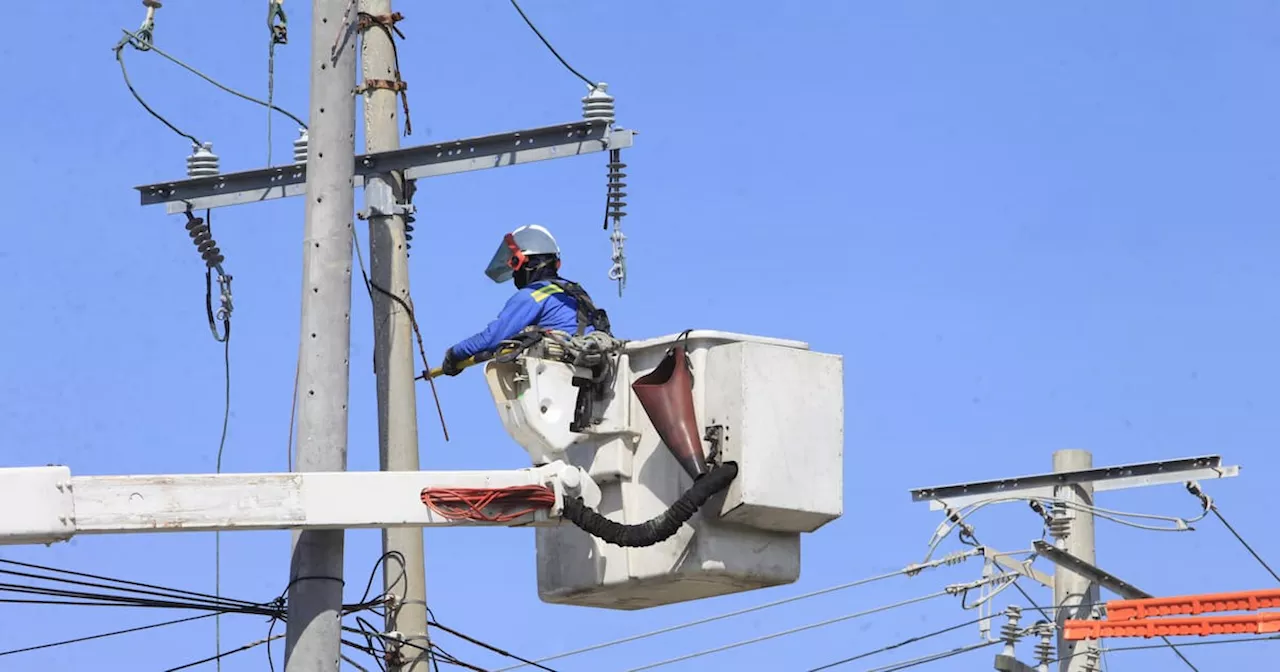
x,y
521,311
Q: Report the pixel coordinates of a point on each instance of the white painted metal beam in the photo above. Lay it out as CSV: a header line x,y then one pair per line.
x,y
47,504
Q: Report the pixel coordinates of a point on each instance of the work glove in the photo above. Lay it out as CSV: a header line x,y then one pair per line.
x,y
449,366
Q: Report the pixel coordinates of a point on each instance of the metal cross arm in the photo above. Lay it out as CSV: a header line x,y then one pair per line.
x,y
1103,478
43,505
1062,558
442,158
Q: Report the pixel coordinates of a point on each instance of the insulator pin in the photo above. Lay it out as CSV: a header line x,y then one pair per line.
x,y
598,104
300,147
202,162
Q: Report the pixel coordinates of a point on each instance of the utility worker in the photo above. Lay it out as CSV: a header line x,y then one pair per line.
x,y
530,257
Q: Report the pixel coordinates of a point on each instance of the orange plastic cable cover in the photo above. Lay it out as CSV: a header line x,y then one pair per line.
x,y
1163,627
1252,600
470,503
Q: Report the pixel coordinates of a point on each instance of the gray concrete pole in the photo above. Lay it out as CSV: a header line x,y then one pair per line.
x,y
1074,534
312,641
394,345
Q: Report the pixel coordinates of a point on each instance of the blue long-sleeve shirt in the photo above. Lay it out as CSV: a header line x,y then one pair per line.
x,y
540,304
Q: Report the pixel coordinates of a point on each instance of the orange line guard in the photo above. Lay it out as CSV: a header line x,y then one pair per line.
x,y
1129,618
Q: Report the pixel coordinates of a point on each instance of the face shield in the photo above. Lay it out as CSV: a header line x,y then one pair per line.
x,y
506,260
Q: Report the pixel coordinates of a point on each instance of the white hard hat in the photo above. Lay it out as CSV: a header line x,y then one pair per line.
x,y
525,241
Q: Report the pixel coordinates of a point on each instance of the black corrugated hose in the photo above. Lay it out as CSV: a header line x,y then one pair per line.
x,y
661,527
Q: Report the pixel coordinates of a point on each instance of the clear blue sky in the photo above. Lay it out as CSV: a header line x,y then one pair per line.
x,y
1026,226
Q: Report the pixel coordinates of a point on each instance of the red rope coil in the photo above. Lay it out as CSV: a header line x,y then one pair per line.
x,y
471,503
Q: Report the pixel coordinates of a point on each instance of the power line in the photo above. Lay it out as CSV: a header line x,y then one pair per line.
x,y
934,657
909,570
226,419
370,287
433,649
124,72
207,601
95,599
1144,647
549,47
909,640
224,654
207,78
490,647
99,577
792,631
104,635
1244,543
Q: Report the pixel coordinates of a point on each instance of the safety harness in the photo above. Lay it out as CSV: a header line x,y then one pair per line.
x,y
588,314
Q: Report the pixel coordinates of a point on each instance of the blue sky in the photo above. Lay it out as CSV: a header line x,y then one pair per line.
x,y
1026,226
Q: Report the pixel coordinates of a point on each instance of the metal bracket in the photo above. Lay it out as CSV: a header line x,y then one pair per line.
x,y
1066,560
1006,663
1103,478
402,209
1023,568
716,436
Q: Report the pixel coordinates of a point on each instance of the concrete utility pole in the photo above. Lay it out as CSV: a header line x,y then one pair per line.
x,y
314,630
1073,533
393,350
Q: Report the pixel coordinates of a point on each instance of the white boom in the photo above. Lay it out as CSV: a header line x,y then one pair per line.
x,y
44,505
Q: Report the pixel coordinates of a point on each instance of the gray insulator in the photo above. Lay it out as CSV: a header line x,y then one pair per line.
x,y
598,104
202,162
300,147
616,202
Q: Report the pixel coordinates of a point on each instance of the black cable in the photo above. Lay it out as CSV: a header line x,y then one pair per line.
x,y
910,640
122,600
1244,543
90,584
130,41
99,577
658,528
937,656
549,47
103,635
490,647
201,75
370,286
220,656
1144,647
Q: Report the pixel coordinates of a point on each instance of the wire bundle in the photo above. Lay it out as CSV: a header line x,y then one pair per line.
x,y
471,503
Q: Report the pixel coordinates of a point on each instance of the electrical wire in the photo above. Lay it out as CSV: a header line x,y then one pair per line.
x,y
1244,543
549,47
125,582
792,631
371,286
222,441
124,72
934,657
104,635
432,649
909,570
98,599
1212,642
909,640
490,647
216,83
210,601
222,655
